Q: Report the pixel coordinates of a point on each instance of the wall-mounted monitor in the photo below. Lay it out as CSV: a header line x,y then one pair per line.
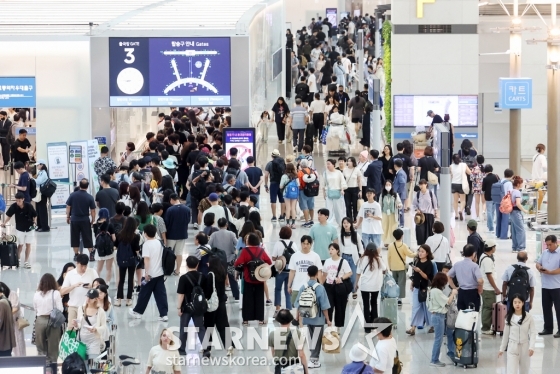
x,y
276,63
244,140
17,92
178,71
411,110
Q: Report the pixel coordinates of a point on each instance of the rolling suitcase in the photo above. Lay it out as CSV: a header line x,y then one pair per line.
x,y
466,348
499,312
406,236
389,309
308,138
8,254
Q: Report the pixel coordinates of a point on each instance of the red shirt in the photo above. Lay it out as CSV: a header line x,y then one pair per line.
x,y
245,257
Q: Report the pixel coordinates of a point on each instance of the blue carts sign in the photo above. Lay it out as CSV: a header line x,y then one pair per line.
x,y
516,93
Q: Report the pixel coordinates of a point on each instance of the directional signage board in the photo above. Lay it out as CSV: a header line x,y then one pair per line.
x,y
516,93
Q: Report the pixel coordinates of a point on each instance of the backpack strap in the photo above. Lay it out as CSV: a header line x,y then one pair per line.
x,y
286,247
396,249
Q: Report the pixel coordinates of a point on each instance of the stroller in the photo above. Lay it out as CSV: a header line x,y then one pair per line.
x,y
336,136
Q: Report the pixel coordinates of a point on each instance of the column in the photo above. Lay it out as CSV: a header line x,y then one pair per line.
x,y
553,138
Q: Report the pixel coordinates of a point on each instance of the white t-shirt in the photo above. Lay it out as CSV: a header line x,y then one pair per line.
x,y
279,248
163,361
78,294
153,250
386,352
457,172
300,262
317,106
487,266
370,225
371,280
312,83
331,269
442,251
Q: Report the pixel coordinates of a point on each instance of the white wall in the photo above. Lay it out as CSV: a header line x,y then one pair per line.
x,y
533,61
300,12
62,71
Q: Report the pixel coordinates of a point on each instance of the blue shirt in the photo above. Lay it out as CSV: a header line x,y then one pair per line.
x,y
322,236
467,273
356,367
322,304
550,261
399,184
24,182
177,220
254,175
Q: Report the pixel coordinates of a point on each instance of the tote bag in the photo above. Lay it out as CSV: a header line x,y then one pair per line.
x,y
465,181
70,344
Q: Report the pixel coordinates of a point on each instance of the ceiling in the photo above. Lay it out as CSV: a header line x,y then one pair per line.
x,y
494,9
73,17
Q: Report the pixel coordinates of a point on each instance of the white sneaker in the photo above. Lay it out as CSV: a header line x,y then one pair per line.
x,y
313,364
133,314
195,226
487,332
163,319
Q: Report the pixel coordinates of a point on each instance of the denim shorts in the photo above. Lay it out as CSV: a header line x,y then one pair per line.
x,y
275,192
306,202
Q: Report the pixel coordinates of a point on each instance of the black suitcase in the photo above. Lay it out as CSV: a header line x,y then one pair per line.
x,y
466,348
308,138
8,254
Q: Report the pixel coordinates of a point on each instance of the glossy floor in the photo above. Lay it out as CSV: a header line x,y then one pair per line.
x,y
135,337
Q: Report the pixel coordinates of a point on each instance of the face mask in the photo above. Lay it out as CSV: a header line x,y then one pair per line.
x,y
388,188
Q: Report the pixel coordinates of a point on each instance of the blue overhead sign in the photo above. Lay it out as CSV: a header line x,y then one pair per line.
x,y
516,93
17,92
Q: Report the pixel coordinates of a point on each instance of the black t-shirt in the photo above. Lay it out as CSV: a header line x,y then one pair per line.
x,y
135,245
427,163
81,203
487,183
24,216
105,226
107,198
406,164
21,156
427,268
185,287
191,158
437,119
254,175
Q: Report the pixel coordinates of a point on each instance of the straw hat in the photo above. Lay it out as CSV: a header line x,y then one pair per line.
x,y
280,263
419,218
263,272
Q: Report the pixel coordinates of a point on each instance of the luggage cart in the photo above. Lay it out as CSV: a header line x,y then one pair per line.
x,y
542,231
535,201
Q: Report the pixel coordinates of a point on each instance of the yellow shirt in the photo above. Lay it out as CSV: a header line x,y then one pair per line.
x,y
393,259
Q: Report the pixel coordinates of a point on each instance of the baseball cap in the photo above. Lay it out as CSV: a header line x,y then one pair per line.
x,y
430,112
92,294
275,153
41,161
472,224
490,243
213,197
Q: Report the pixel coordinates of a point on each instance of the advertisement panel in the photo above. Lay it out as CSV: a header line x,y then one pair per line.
x,y
58,172
17,92
244,140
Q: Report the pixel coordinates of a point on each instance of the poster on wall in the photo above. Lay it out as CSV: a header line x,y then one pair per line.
x,y
93,154
58,172
244,140
76,154
81,165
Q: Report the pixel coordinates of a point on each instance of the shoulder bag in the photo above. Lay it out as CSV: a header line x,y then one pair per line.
x,y
331,194
465,181
344,288
213,301
56,318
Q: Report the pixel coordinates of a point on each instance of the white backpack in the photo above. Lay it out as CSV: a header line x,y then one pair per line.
x,y
308,307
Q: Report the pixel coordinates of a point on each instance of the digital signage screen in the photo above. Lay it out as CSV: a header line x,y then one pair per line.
x,y
178,71
244,140
411,110
17,92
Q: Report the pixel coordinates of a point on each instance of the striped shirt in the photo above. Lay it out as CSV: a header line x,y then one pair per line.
x,y
424,203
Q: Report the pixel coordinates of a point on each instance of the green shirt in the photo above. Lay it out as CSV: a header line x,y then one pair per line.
x,y
279,351
323,236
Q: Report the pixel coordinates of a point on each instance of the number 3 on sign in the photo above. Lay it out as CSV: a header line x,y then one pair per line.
x,y
129,55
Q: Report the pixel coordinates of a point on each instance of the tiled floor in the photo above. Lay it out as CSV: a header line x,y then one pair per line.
x,y
135,337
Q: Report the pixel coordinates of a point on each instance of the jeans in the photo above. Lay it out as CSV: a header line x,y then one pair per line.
x,y
401,217
198,322
438,321
282,278
120,287
350,260
234,286
317,332
299,134
517,231
155,286
502,222
490,215
194,209
450,341
372,238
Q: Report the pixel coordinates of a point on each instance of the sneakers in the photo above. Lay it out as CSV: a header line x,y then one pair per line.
x,y
117,303
27,265
437,364
195,226
268,302
307,225
163,319
487,332
92,256
275,314
133,314
282,218
274,219
313,364
75,257
399,303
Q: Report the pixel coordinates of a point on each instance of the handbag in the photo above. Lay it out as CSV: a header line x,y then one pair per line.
x,y
37,197
432,178
213,301
48,188
467,319
331,194
422,295
70,344
344,288
360,202
324,135
22,323
465,182
452,312
56,317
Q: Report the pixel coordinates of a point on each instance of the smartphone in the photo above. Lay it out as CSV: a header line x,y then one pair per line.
x,y
85,285
542,269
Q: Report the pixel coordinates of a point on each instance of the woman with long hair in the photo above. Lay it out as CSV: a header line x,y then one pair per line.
x,y
263,124
92,323
428,164
423,272
219,318
518,237
390,205
350,247
135,198
289,183
65,269
42,210
144,216
109,311
103,227
386,157
326,74
540,164
370,269
163,358
335,271
127,236
334,186
156,184
281,112
468,154
17,312
354,182
46,298
477,176
459,172
255,217
520,334
437,305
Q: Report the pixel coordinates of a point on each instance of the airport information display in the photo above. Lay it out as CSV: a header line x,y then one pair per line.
x,y
411,110
169,71
17,92
244,140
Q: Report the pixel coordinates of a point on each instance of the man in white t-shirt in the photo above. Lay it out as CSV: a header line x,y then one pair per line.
x,y
154,280
77,283
312,83
299,262
369,217
317,114
490,287
386,349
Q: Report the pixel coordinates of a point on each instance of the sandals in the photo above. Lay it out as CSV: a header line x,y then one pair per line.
x,y
411,332
175,273
461,216
262,323
117,302
431,330
245,323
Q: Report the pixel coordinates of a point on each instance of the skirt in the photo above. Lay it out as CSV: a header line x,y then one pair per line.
x,y
390,224
420,315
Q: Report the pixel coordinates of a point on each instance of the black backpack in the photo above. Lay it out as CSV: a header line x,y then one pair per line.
x,y
311,189
32,188
519,282
219,254
288,252
168,258
198,305
117,225
277,169
481,246
125,255
254,264
104,244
